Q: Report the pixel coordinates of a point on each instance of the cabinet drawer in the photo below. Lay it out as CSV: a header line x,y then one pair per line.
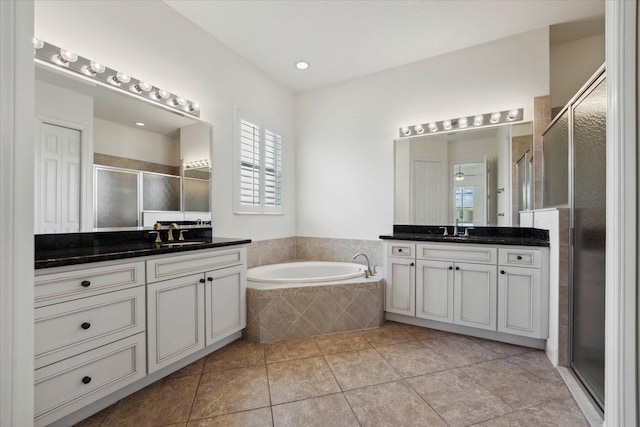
x,y
401,250
520,257
66,386
463,253
68,285
66,329
200,262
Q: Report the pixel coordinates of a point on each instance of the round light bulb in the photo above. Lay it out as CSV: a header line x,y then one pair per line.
x,y
478,120
194,106
406,131
433,127
181,101
97,67
68,56
37,43
462,122
419,129
122,77
144,86
446,124
495,117
302,65
513,114
164,94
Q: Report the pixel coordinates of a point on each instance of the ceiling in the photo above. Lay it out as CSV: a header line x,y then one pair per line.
x,y
348,39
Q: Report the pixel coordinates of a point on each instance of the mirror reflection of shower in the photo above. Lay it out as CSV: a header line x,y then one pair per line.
x,y
524,182
471,195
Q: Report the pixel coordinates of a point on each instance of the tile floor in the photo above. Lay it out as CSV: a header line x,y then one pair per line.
x,y
397,375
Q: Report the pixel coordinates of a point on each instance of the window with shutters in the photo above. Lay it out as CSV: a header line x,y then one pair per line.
x,y
259,188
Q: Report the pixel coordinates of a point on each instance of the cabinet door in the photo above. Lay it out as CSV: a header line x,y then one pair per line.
x,y
434,290
225,305
519,301
401,286
475,290
175,319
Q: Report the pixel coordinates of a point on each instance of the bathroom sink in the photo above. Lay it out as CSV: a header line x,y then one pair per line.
x,y
179,243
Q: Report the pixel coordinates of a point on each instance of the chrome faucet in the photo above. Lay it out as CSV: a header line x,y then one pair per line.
x,y
370,272
172,227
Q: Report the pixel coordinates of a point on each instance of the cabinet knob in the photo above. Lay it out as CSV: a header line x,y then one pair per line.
x,y
450,267
457,268
210,279
86,380
412,264
86,283
519,257
400,250
502,272
86,325
201,280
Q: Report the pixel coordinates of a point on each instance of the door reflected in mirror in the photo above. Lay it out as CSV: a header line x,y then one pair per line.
x,y
109,160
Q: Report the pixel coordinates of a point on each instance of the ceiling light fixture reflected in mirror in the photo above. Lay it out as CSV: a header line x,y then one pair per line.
x,y
478,120
302,65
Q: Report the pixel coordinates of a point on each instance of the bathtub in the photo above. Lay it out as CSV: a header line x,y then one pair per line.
x,y
302,299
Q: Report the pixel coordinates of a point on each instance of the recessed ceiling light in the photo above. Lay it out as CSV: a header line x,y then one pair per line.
x,y
139,124
302,65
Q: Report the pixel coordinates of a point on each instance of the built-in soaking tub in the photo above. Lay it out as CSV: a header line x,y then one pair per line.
x,y
301,299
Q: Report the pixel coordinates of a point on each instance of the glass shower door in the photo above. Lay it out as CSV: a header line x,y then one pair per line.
x,y
588,249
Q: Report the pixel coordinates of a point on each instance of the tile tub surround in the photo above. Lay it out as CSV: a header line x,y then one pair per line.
x,y
275,251
320,381
281,314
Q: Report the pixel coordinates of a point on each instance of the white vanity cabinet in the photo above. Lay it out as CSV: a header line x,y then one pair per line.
x,y
502,289
89,334
193,300
457,284
400,272
522,293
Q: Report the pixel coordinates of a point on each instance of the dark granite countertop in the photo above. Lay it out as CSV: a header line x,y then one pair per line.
x,y
56,250
517,236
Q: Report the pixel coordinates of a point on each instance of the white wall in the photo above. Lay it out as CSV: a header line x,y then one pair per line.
x,y
345,132
571,64
151,41
194,143
120,140
62,104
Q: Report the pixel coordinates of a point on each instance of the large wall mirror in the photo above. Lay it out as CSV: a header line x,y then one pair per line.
x,y
477,177
108,160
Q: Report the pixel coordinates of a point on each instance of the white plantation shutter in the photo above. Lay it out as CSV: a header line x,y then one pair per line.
x,y
259,188
272,169
249,163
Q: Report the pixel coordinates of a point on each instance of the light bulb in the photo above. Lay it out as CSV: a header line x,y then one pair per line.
x,y
181,101
478,120
68,56
302,65
194,106
495,117
160,94
459,176
462,122
433,127
141,87
513,114
37,43
406,131
419,129
119,78
93,68
446,124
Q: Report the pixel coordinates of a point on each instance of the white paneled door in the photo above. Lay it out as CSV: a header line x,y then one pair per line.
x,y
427,192
58,198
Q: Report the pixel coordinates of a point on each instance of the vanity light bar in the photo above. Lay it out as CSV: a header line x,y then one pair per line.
x,y
197,164
63,58
464,122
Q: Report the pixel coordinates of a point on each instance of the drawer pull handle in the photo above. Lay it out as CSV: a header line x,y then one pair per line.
x,y
450,267
519,257
201,280
412,264
86,380
86,283
86,325
457,268
502,272
210,279
400,250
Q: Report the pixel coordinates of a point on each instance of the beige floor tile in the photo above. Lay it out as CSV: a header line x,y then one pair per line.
x,y
420,333
413,358
231,390
291,349
360,368
95,420
501,348
537,363
164,402
253,418
516,386
300,379
566,412
238,354
339,343
332,410
391,404
389,333
194,368
459,350
458,399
